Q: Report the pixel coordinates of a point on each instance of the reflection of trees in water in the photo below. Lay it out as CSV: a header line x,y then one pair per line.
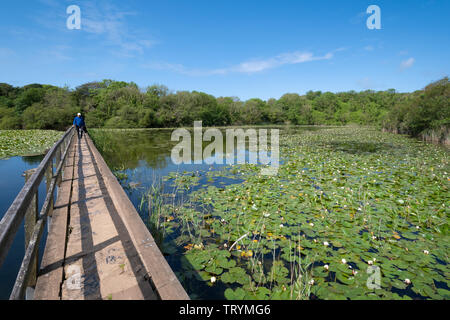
x,y
123,149
33,160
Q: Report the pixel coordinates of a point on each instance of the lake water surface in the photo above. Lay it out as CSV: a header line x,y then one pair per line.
x,y
11,182
347,198
197,211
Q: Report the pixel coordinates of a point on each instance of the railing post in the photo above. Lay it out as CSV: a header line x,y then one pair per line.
x,y
48,181
58,161
31,217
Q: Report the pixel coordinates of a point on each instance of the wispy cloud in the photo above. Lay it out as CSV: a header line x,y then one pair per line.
x,y
369,48
406,64
280,60
105,22
110,23
249,66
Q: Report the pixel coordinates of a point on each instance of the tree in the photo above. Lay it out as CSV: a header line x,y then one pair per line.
x,y
28,97
119,104
252,112
9,120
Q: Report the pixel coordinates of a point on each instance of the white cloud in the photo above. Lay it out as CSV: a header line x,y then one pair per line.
x,y
369,48
280,60
407,63
104,22
110,23
250,66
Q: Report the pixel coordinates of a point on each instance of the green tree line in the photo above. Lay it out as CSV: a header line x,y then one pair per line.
x,y
118,104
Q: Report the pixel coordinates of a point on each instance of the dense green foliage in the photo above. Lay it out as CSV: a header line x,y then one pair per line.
x,y
115,104
422,112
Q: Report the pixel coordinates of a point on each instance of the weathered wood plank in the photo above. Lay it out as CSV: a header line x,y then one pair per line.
x,y
48,181
100,262
11,221
31,217
28,269
26,273
104,225
159,271
51,271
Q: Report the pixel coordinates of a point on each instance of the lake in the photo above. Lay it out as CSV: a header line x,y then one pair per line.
x,y
353,213
11,182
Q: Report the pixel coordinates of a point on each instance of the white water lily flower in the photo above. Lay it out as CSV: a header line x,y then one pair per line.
x,y
370,262
426,251
400,201
326,267
311,224
213,279
311,282
374,238
344,261
354,272
281,226
266,215
407,281
326,244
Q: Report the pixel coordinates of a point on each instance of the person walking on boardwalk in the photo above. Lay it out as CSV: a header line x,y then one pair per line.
x,y
78,123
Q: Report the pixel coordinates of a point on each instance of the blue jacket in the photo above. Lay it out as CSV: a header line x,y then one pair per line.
x,y
79,122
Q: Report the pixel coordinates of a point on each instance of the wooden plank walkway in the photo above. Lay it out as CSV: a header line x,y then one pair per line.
x,y
98,247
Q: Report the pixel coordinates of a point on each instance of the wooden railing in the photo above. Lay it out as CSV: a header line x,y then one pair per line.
x,y
26,206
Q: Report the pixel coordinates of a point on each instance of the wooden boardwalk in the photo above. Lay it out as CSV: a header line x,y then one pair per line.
x,y
97,246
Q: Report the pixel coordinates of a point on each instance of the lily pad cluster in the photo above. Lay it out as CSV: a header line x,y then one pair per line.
x,y
26,142
353,213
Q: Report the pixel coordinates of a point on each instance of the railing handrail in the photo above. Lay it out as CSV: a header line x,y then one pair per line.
x,y
11,221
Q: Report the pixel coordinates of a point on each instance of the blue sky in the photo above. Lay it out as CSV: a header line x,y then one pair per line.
x,y
245,48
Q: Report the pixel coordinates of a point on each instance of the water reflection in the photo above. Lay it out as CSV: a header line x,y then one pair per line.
x,y
142,158
11,182
130,149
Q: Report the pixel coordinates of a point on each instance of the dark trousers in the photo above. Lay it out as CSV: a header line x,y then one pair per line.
x,y
79,131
